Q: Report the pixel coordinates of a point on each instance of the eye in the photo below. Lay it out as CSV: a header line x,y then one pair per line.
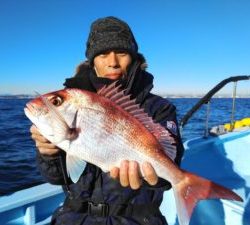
x,y
121,53
56,100
103,55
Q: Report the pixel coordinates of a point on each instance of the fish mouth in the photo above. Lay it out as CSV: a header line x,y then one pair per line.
x,y
32,112
29,109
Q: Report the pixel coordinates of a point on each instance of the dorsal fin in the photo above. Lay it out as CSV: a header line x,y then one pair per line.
x,y
118,96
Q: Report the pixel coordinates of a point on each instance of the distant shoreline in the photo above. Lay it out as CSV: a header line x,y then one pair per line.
x,y
17,96
22,96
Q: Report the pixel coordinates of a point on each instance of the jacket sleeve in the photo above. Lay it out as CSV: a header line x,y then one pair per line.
x,y
51,168
163,112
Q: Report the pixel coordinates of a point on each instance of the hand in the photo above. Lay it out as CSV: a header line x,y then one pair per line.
x,y
129,174
43,145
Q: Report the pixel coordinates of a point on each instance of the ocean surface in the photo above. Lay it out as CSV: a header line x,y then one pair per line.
x,y
17,150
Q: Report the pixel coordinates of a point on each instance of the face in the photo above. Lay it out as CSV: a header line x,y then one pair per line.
x,y
112,64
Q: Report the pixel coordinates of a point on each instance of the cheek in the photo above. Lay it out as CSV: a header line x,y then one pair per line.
x,y
100,69
44,126
99,72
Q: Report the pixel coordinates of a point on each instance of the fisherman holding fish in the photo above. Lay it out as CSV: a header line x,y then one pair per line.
x,y
112,150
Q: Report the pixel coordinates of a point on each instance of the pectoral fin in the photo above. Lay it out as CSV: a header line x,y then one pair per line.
x,y
75,167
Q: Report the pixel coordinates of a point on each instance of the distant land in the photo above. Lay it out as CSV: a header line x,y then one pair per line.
x,y
26,96
20,96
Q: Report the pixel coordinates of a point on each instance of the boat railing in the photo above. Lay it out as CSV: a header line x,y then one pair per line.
x,y
206,101
32,206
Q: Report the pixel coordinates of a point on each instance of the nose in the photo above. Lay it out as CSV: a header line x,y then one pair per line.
x,y
113,60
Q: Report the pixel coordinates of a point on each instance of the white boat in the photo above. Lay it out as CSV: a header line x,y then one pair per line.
x,y
222,156
225,160
30,206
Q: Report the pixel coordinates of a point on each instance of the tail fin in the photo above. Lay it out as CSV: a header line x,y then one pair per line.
x,y
194,188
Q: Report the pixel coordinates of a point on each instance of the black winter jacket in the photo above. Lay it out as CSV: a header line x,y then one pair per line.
x,y
126,206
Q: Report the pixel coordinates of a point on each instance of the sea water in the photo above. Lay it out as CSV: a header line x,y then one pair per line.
x,y
18,168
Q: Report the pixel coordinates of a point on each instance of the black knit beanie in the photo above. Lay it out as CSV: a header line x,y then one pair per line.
x,y
110,33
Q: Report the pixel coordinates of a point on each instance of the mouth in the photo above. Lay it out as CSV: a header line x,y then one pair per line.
x,y
35,116
114,76
27,109
31,112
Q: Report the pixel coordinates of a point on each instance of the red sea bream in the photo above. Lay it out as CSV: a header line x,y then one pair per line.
x,y
106,128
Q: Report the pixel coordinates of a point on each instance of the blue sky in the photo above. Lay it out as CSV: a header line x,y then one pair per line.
x,y
190,45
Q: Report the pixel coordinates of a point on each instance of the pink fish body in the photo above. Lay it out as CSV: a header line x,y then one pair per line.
x,y
108,127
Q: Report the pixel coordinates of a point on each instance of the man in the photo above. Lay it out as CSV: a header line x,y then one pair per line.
x,y
121,196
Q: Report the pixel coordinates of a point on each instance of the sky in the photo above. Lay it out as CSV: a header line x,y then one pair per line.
x,y
190,45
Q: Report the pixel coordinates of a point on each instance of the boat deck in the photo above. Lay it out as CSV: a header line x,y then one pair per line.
x,y
224,160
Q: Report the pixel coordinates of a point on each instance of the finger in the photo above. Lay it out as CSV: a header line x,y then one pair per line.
x,y
50,152
34,130
45,145
40,138
133,174
36,135
149,173
114,172
124,173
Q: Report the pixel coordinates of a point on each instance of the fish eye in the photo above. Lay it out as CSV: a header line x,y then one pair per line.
x,y
56,100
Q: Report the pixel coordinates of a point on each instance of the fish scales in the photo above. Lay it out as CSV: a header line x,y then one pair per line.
x,y
97,129
114,134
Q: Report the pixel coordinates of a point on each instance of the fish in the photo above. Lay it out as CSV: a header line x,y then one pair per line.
x,y
107,127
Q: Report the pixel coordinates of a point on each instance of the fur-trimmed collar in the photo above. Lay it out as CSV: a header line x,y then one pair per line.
x,y
137,82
